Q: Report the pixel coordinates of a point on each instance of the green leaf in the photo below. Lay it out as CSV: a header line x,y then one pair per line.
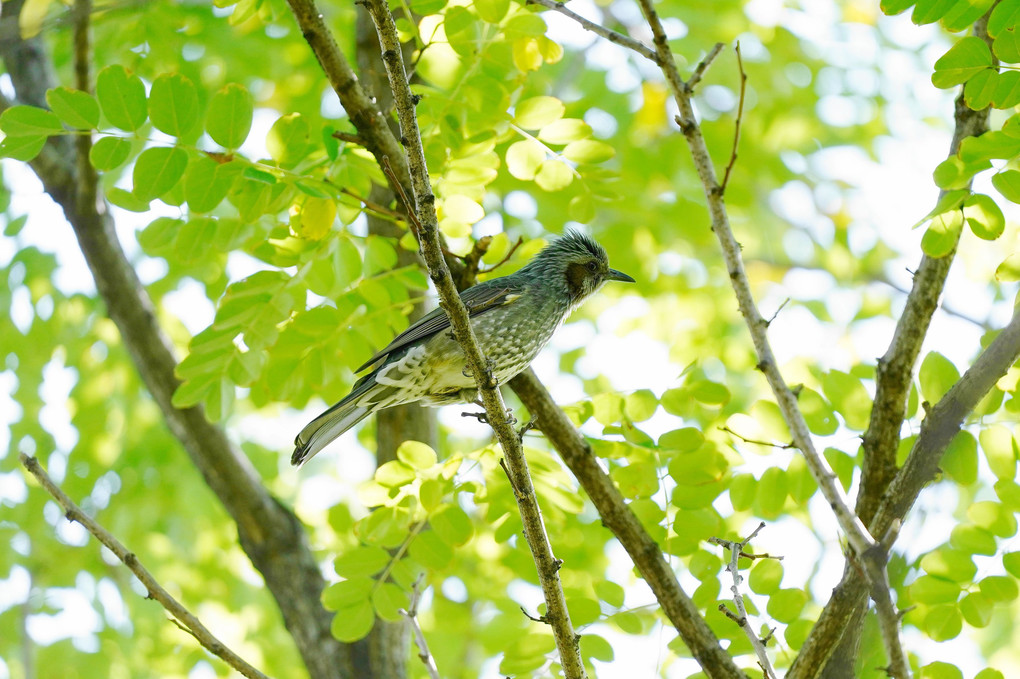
x,y
1005,14
984,217
1000,449
347,593
640,405
949,564
127,200
976,609
78,109
588,151
743,489
683,440
361,561
554,175
849,397
228,118
206,182
537,112
1007,90
931,590
610,592
431,551
999,587
1011,562
289,140
943,234
1007,183
960,462
937,376
766,575
773,488
638,479
973,540
785,605
158,170
353,623
564,131
941,670
523,159
387,600
122,97
109,153
819,415
930,11
491,11
452,525
29,121
21,148
173,104
594,647
979,91
1006,45
963,61
416,454
993,517
943,622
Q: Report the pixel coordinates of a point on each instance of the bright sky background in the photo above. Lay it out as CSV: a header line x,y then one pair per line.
x,y
892,194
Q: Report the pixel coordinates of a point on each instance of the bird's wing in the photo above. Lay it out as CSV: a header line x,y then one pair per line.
x,y
478,299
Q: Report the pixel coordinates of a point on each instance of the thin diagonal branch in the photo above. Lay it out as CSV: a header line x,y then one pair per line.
x,y
618,517
188,622
852,527
424,206
741,618
411,613
942,423
607,33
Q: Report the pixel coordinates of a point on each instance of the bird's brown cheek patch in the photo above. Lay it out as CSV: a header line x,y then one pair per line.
x,y
576,273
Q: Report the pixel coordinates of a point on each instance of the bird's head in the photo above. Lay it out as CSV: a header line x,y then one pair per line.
x,y
578,264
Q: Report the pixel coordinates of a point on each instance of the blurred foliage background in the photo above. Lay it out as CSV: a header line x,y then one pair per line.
x,y
244,218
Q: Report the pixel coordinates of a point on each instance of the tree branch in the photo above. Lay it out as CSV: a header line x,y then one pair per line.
x,y
607,33
419,637
270,535
828,483
893,380
617,517
424,207
894,372
736,549
187,620
939,427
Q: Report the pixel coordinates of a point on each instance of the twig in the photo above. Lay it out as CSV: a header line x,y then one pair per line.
x,y
411,613
187,621
757,442
616,515
348,137
472,262
736,125
740,617
607,33
702,67
423,201
506,257
375,207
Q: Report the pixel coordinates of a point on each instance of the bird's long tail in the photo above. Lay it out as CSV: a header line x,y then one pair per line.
x,y
318,433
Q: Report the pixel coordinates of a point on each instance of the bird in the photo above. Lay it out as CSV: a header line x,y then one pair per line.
x,y
513,318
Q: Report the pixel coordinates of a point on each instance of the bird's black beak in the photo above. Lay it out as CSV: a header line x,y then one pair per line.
x,y
614,275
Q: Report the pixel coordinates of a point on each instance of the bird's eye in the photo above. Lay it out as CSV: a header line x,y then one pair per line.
x,y
593,266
